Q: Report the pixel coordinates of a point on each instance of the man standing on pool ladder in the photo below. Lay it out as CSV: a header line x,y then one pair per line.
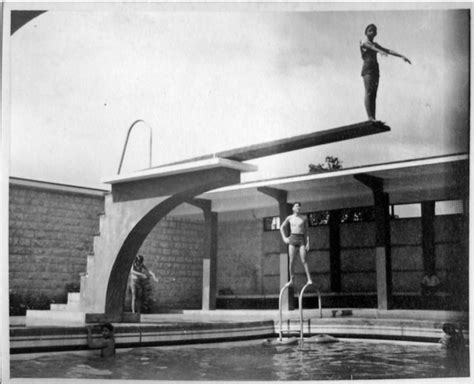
x,y
298,241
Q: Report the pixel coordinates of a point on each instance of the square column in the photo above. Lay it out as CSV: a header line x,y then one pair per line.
x,y
383,260
335,250
284,210
428,235
209,263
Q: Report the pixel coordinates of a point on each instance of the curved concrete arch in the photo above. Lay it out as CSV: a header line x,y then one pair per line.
x,y
117,283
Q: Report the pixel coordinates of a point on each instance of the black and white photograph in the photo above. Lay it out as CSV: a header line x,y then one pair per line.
x,y
235,191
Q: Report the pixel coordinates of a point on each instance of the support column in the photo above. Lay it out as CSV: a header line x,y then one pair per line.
x,y
209,275
209,262
383,262
335,250
428,235
284,211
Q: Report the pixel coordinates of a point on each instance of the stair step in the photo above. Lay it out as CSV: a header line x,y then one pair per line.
x,y
46,317
73,297
58,307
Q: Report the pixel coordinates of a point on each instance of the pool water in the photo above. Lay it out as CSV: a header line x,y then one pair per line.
x,y
250,360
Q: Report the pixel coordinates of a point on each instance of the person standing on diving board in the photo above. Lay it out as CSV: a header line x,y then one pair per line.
x,y
370,68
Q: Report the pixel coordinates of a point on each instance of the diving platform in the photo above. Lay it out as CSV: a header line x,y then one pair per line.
x,y
181,168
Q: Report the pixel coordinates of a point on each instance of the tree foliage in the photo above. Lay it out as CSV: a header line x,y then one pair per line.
x,y
331,163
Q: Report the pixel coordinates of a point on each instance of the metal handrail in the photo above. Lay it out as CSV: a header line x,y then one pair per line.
x,y
300,305
286,286
126,142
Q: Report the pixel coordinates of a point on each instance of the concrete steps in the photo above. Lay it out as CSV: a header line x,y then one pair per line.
x,y
69,313
73,303
54,317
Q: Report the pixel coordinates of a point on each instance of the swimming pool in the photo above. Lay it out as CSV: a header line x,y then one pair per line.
x,y
250,360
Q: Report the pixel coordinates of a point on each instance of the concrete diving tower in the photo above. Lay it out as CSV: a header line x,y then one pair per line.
x,y
139,200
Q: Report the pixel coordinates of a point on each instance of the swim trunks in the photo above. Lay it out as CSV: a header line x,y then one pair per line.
x,y
297,239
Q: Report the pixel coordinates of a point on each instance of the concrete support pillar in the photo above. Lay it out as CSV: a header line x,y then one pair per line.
x,y
428,235
209,262
335,250
383,262
284,211
209,276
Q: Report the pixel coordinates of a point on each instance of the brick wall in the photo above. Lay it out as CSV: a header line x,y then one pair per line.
x,y
51,233
174,251
239,256
50,236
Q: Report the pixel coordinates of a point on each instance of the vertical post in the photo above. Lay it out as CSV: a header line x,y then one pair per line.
x,y
209,262
284,210
383,261
288,304
428,235
335,250
209,276
383,251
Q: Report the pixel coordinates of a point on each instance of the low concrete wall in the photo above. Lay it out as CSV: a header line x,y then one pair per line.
x,y
47,339
213,326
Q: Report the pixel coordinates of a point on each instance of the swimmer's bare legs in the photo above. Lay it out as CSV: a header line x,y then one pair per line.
x,y
305,264
134,295
292,251
371,84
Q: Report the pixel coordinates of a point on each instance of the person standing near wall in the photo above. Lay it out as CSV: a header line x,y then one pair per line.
x,y
298,241
140,285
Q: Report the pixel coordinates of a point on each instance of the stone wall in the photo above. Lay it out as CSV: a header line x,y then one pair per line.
x,y
51,232
50,235
174,252
239,256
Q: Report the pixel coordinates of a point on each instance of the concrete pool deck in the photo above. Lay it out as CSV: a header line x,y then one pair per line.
x,y
197,326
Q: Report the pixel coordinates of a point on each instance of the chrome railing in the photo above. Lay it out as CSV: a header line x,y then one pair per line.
x,y
126,142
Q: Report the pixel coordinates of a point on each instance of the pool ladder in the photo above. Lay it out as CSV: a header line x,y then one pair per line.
x,y
300,305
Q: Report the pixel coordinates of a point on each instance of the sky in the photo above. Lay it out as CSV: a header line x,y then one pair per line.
x,y
207,81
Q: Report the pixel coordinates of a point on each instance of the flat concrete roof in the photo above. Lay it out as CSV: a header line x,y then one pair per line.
x,y
435,178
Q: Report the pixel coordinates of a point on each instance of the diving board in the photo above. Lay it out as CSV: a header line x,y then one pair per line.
x,y
275,147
